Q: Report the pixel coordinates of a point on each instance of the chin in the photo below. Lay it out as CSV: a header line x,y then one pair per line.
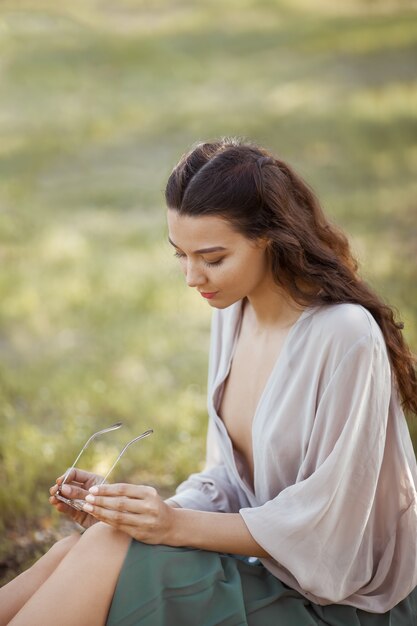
x,y
223,304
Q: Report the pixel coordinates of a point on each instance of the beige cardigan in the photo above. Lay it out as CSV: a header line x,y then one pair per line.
x,y
334,498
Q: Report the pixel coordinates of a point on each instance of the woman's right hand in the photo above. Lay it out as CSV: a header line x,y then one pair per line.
x,y
76,486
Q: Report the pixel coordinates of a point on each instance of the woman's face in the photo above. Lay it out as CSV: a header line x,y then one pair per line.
x,y
223,265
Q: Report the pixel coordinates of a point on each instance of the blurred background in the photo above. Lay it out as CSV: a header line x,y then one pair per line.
x,y
98,99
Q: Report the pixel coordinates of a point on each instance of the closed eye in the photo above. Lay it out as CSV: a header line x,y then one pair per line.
x,y
181,255
213,263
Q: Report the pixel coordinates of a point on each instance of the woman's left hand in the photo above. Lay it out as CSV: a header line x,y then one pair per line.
x,y
134,509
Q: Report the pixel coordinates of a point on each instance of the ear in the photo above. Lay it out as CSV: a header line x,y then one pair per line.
x,y
263,243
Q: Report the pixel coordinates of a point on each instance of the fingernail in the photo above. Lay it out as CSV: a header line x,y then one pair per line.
x,y
66,490
93,490
87,507
90,498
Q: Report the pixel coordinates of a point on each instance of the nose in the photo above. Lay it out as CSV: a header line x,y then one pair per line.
x,y
194,277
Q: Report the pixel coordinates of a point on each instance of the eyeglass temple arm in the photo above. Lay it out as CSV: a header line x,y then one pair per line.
x,y
99,432
142,436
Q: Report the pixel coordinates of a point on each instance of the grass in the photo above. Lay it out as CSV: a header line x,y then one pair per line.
x,y
98,100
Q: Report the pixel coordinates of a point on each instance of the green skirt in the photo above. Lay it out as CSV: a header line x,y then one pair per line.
x,y
164,586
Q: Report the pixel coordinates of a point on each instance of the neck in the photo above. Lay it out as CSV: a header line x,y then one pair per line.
x,y
272,307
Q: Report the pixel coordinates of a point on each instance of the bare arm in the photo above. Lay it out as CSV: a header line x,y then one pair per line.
x,y
141,513
219,532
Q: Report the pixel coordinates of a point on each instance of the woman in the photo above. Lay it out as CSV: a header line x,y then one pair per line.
x,y
310,469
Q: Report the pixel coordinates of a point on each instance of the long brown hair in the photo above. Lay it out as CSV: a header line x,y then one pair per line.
x,y
261,196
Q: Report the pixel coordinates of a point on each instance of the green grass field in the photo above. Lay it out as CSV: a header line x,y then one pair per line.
x,y
98,101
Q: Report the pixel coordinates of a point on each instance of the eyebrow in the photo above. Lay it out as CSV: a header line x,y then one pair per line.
x,y
202,250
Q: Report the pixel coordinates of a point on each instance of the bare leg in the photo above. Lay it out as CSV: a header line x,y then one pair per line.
x,y
80,590
18,591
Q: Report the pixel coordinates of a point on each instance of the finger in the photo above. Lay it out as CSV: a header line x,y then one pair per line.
x,y
122,504
53,489
76,475
73,491
61,507
69,475
54,499
115,518
140,492
82,476
81,517
57,487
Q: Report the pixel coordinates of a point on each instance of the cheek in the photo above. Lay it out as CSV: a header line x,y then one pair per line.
x,y
243,271
256,261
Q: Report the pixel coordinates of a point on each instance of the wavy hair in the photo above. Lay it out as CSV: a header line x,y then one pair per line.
x,y
262,196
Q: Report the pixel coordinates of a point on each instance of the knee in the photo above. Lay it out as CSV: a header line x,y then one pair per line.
x,y
103,533
55,555
63,546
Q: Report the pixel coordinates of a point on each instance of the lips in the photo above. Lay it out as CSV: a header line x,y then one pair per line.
x,y
208,294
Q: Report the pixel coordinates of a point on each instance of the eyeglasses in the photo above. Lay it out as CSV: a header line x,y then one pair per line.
x,y
77,503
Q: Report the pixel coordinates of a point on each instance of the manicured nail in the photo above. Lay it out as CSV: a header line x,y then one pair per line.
x,y
66,490
89,498
93,489
87,507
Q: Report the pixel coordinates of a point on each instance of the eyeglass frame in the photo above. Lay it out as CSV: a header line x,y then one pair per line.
x,y
78,503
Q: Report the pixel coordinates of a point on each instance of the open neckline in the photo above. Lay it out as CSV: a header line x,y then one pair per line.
x,y
219,388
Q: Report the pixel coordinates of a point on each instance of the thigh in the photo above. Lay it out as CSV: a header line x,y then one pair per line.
x,y
165,586
269,601
62,547
80,590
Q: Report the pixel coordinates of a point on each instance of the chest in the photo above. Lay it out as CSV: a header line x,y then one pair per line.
x,y
251,368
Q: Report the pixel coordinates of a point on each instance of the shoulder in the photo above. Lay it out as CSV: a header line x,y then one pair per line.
x,y
346,323
329,334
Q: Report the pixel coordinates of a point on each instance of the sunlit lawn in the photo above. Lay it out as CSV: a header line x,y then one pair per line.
x,y
97,102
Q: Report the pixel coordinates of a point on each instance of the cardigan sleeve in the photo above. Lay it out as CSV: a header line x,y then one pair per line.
x,y
212,489
318,528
